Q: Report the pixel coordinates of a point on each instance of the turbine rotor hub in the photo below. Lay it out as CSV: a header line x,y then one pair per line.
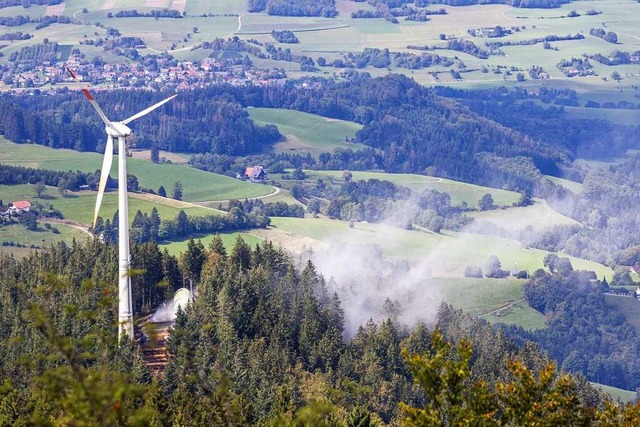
x,y
118,130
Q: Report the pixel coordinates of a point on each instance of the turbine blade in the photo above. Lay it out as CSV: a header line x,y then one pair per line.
x,y
92,101
148,110
104,175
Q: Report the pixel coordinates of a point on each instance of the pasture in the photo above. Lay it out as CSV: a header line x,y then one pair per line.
x,y
307,133
42,237
574,187
177,247
459,191
494,300
446,254
198,185
537,217
617,393
79,207
628,306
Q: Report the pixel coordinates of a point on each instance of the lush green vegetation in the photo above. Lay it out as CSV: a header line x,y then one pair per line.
x,y
307,133
198,185
459,191
41,238
177,247
79,207
280,329
449,251
628,306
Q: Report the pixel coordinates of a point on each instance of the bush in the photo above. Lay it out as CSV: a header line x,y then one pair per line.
x,y
473,271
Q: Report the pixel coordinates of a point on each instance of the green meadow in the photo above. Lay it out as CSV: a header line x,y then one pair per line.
x,y
538,216
459,191
494,300
197,185
574,187
79,207
617,393
307,133
42,237
629,307
179,246
447,253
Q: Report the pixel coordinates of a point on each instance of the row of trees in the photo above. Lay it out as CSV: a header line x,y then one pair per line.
x,y
150,227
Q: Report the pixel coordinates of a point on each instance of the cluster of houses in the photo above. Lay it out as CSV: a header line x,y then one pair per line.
x,y
183,75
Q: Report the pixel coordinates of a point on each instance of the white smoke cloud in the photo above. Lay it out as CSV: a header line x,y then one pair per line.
x,y
371,286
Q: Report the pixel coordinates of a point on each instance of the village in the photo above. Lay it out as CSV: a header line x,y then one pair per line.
x,y
169,74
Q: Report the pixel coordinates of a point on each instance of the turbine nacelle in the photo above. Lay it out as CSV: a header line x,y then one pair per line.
x,y
118,130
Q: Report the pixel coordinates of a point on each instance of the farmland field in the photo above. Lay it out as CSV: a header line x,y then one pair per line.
x,y
198,185
447,253
42,237
459,191
574,187
617,393
178,246
537,216
79,207
628,306
307,133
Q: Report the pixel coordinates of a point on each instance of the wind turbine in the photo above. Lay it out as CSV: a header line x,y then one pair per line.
x,y
119,131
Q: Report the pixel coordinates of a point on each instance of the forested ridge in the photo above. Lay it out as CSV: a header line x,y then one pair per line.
x,y
412,128
262,343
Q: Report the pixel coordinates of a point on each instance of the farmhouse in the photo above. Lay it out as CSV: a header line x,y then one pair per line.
x,y
255,173
20,206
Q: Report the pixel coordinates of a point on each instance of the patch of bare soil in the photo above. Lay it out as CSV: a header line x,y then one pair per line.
x,y
289,241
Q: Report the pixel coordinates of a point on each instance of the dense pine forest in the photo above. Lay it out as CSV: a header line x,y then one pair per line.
x,y
262,343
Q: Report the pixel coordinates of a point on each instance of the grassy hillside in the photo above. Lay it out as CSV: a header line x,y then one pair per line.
x,y
307,133
617,393
495,300
628,306
459,191
537,216
42,237
79,206
198,185
179,246
447,253
574,187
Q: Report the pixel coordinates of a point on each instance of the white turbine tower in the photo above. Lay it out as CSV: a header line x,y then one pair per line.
x,y
119,131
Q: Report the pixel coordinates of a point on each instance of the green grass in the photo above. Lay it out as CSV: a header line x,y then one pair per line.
x,y
621,117
617,393
574,187
179,246
538,216
459,191
307,133
198,185
42,237
447,253
628,306
79,206
494,300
